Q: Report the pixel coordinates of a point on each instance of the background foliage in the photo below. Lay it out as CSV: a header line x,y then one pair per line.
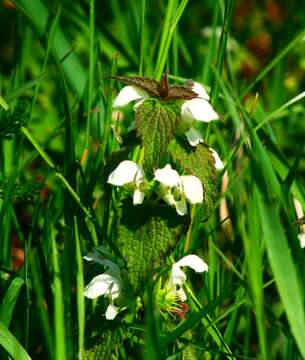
x,y
60,134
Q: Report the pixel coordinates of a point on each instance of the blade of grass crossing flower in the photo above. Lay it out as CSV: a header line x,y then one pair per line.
x,y
284,270
195,318
152,351
9,301
11,345
59,317
79,292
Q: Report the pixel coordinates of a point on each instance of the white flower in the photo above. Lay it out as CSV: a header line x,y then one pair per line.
x,y
192,189
177,277
128,172
301,238
194,138
128,94
218,163
108,284
177,189
199,108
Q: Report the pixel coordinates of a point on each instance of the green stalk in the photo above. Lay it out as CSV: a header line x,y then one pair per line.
x,y
52,165
164,49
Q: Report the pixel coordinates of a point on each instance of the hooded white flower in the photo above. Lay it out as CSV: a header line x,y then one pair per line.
x,y
129,94
128,172
199,108
108,284
177,277
177,189
301,238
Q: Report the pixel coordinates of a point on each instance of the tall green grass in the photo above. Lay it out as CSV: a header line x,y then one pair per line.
x,y
251,302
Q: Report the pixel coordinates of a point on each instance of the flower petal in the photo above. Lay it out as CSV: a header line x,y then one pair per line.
x,y
167,176
198,109
126,172
177,276
192,188
301,238
181,294
200,90
193,137
128,94
138,197
99,286
218,163
111,312
194,262
93,256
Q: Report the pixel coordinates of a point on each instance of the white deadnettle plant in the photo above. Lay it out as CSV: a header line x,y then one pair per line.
x,y
129,172
108,284
198,108
177,277
178,189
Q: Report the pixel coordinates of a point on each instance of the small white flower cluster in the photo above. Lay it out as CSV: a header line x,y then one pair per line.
x,y
195,109
176,190
110,284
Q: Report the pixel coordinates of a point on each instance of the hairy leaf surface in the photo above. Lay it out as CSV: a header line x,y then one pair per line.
x,y
200,162
144,236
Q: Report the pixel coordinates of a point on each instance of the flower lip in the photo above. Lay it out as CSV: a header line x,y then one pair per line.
x,y
218,163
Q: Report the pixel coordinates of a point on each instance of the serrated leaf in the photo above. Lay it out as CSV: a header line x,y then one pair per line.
x,y
23,191
200,162
145,83
160,89
106,348
144,237
12,120
156,124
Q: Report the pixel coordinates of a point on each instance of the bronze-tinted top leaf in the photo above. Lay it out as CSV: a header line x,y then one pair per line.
x,y
160,89
163,86
145,83
181,92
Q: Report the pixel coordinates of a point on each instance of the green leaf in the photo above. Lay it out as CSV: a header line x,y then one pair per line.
x,y
24,191
106,348
11,344
200,162
283,268
156,123
9,301
144,236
